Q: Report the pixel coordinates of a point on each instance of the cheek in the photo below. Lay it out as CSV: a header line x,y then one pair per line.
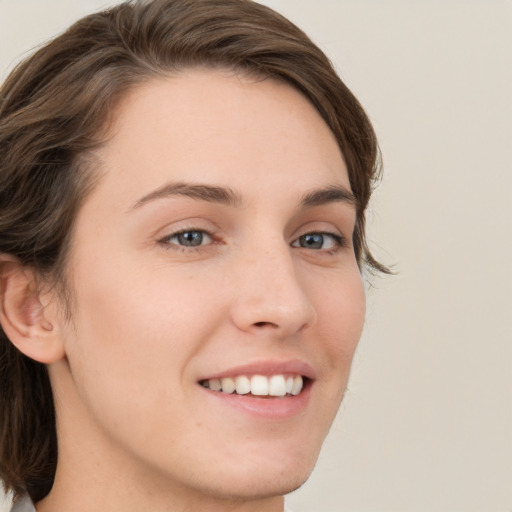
x,y
135,332
341,312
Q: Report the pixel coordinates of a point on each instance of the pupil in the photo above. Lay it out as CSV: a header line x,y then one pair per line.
x,y
191,238
313,241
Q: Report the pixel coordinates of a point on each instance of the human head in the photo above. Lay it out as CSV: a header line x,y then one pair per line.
x,y
55,111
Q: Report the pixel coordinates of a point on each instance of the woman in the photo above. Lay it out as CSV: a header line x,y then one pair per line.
x,y
183,188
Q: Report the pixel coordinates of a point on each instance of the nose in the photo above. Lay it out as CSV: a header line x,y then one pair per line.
x,y
269,296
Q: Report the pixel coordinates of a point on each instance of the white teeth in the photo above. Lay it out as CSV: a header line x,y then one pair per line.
x,y
257,385
228,385
277,386
297,385
243,385
216,385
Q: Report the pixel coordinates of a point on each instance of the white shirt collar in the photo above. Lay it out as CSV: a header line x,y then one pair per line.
x,y
23,504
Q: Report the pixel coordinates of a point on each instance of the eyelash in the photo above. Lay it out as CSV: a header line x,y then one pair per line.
x,y
167,240
339,241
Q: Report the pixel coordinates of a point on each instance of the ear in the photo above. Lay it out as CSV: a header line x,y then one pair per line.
x,y
23,317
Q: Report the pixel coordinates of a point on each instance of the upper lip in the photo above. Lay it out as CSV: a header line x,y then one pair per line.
x,y
267,368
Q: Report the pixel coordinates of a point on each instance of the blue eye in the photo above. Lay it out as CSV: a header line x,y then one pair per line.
x,y
318,241
190,238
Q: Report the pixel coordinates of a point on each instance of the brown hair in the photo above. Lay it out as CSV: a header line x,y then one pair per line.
x,y
54,109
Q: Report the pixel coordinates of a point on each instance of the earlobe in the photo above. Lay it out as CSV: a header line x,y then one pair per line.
x,y
23,317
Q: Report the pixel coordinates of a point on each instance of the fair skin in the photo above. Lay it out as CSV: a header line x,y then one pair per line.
x,y
208,249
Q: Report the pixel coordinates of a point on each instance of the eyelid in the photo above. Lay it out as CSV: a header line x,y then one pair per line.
x,y
166,240
202,231
339,238
334,227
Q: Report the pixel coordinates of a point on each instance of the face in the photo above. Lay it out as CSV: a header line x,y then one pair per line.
x,y
214,252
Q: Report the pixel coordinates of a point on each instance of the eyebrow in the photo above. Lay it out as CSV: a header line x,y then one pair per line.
x,y
228,197
329,194
209,193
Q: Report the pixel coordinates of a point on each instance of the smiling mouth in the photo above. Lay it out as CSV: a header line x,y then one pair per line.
x,y
259,386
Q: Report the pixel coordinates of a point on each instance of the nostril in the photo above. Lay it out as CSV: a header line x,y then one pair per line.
x,y
264,324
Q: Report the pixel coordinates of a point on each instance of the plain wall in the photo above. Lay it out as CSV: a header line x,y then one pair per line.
x,y
426,425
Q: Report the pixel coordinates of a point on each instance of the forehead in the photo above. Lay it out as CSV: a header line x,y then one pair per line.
x,y
222,128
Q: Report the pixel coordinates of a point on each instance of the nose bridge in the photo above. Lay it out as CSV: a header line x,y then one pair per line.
x,y
270,295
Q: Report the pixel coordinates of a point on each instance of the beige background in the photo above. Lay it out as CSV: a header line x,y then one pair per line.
x,y
426,425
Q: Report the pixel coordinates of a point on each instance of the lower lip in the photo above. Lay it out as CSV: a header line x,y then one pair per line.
x,y
276,408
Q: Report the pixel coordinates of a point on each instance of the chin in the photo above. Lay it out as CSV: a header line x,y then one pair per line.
x,y
260,487
264,479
